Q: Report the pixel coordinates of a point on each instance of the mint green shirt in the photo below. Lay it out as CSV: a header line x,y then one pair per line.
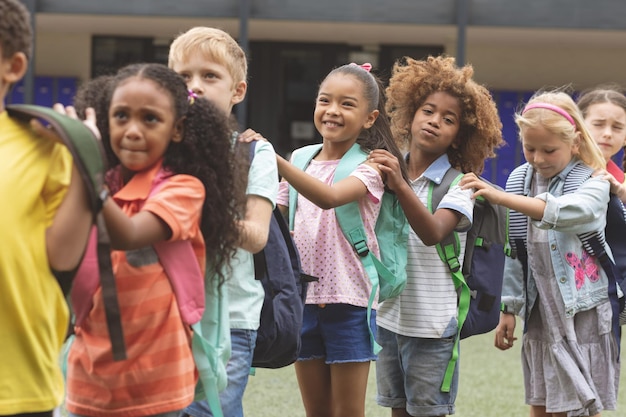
x,y
245,293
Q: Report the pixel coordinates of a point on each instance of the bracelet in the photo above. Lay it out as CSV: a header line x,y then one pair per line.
x,y
505,309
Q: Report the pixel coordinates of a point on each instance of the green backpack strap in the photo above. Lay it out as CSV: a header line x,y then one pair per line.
x,y
210,344
351,223
90,160
449,250
300,159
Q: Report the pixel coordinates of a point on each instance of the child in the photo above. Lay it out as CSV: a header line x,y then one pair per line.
x,y
333,364
214,66
155,129
569,355
604,111
44,224
445,119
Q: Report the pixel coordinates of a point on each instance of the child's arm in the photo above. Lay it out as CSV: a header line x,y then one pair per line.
x,y
430,227
530,206
127,233
66,238
255,227
322,195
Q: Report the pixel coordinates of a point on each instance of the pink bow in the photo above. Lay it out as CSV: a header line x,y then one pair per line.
x,y
191,96
366,66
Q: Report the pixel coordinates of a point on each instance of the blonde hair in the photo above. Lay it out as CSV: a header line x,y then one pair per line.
x,y
215,45
480,130
557,124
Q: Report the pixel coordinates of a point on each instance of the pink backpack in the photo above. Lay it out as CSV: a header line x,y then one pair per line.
x,y
177,258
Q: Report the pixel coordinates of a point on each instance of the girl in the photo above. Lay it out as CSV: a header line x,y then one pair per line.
x,y
569,355
333,365
604,111
154,128
445,119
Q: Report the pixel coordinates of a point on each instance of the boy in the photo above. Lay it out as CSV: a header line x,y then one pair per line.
x,y
214,66
45,220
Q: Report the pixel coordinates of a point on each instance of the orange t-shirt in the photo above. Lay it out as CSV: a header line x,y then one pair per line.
x,y
159,373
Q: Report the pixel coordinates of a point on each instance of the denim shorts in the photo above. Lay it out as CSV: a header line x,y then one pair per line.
x,y
409,373
338,333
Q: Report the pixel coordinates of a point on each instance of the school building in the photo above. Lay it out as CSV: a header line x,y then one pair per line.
x,y
515,47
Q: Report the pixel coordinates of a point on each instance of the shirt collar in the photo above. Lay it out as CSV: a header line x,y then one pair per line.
x,y
565,171
437,169
139,186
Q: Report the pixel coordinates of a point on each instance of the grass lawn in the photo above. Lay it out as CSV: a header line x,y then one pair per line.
x,y
490,386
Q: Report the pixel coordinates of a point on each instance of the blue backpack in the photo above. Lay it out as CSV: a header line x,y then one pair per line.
x,y
277,266
479,279
387,274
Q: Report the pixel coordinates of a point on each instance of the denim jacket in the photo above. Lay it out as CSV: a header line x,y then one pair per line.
x,y
565,216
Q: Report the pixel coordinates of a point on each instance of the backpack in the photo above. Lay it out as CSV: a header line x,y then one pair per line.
x,y
479,280
387,274
277,266
202,303
90,160
594,243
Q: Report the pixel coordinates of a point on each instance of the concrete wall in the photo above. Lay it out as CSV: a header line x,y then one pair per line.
x,y
509,67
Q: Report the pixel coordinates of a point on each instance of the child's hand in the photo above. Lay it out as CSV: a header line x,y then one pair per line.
x,y
90,117
471,180
389,167
505,332
616,188
249,135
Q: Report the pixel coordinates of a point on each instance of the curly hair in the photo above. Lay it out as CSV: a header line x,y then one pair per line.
x,y
95,93
480,131
607,93
206,153
379,135
557,124
16,34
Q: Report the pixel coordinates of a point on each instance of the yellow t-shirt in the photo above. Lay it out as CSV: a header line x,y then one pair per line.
x,y
34,177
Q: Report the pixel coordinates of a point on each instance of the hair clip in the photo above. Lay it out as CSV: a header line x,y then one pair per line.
x,y
191,97
366,66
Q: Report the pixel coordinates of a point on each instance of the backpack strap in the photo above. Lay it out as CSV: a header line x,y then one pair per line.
x,y
449,250
89,158
301,158
210,359
594,243
86,149
351,223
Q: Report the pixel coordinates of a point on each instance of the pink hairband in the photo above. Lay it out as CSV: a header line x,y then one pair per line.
x,y
552,107
366,66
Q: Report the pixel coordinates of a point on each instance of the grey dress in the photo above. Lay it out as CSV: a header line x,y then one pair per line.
x,y
570,364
